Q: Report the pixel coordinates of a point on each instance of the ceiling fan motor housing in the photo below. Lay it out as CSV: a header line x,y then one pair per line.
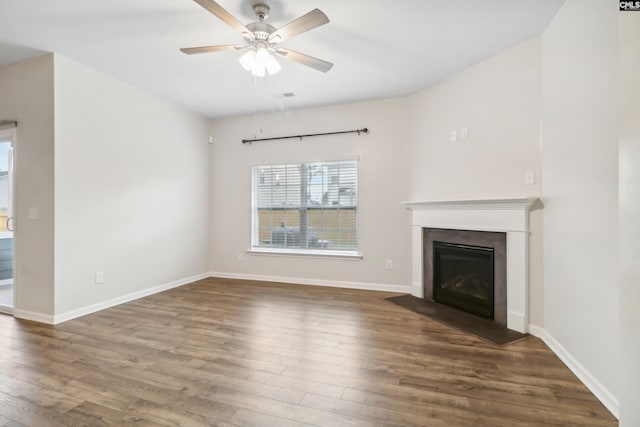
x,y
261,30
261,10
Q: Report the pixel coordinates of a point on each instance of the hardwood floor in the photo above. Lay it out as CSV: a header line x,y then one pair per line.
x,y
236,353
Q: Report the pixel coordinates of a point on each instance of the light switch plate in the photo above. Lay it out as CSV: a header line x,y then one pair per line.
x,y
529,177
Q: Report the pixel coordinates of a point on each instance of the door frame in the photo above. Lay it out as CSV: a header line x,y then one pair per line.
x,y
10,135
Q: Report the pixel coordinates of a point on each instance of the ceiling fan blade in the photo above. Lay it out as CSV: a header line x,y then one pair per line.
x,y
222,13
307,60
207,49
306,22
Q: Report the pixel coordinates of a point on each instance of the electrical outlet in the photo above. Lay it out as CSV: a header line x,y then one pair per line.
x,y
464,133
453,136
99,277
240,257
388,264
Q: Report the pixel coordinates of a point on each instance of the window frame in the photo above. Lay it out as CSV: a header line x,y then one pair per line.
x,y
257,249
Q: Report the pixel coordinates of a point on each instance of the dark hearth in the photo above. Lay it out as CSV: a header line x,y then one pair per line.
x,y
463,277
482,328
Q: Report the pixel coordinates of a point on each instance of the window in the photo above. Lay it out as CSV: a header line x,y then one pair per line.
x,y
306,208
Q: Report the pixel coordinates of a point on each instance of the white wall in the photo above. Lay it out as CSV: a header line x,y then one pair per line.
x,y
26,95
383,182
629,164
132,191
580,175
498,101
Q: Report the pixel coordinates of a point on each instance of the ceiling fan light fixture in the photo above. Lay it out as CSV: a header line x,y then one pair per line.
x,y
260,64
259,70
260,61
262,54
248,60
272,65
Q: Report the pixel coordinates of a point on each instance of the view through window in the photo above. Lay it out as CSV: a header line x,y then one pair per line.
x,y
306,207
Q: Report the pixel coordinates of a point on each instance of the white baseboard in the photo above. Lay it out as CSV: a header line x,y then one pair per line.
x,y
537,331
603,394
516,322
315,282
63,317
417,290
33,316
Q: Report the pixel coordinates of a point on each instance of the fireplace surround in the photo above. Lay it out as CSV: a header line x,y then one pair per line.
x,y
509,217
496,242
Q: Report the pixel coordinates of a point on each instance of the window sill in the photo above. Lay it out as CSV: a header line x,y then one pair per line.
x,y
306,254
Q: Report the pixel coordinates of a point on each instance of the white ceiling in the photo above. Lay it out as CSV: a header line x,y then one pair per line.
x,y
380,48
10,53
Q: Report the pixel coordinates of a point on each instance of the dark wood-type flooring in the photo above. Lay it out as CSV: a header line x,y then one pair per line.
x,y
229,352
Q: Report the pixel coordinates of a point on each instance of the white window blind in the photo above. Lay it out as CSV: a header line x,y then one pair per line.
x,y
306,207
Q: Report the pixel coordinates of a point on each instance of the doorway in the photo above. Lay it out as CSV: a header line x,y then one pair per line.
x,y
7,283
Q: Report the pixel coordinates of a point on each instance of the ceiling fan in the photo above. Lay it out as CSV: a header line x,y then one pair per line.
x,y
262,41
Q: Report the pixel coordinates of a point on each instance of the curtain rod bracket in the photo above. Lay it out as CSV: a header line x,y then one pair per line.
x,y
8,123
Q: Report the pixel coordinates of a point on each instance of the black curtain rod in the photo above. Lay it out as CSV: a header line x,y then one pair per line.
x,y
358,131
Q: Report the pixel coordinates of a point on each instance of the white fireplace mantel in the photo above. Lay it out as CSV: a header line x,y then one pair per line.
x,y
510,216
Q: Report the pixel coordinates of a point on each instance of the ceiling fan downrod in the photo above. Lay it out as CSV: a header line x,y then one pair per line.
x,y
261,10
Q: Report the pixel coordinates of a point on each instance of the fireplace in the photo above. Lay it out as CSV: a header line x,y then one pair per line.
x,y
508,218
463,277
467,270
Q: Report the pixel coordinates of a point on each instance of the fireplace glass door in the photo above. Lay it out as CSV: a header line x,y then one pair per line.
x,y
463,277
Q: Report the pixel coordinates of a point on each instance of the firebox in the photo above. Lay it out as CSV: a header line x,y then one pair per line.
x,y
463,277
